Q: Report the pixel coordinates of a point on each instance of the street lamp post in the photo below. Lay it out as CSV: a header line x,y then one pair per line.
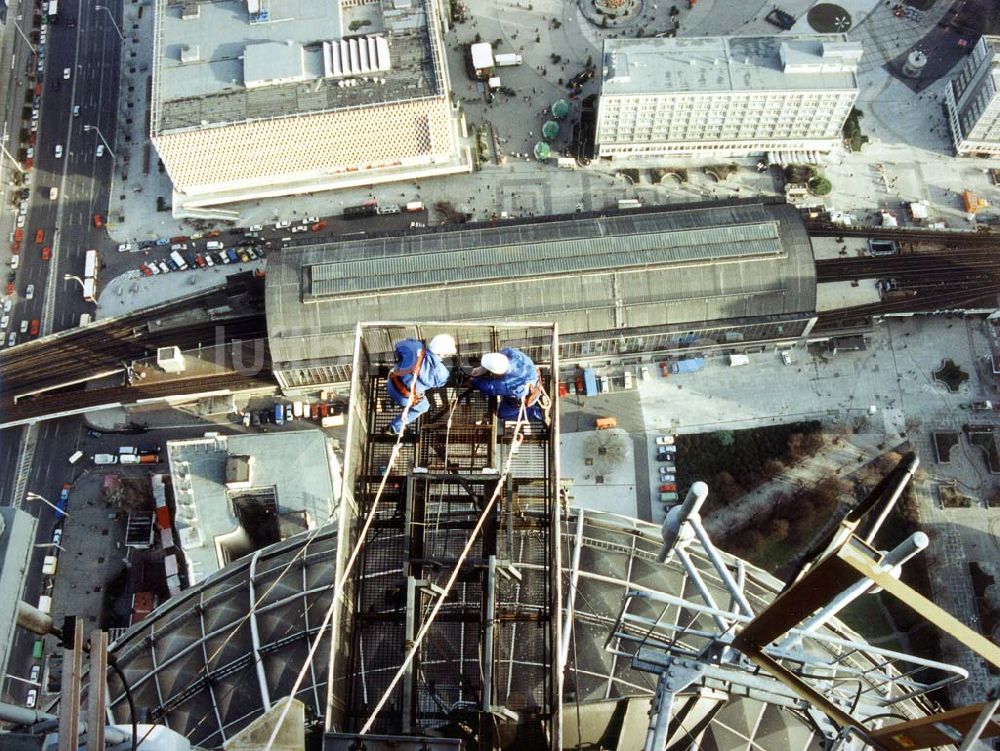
x,y
50,545
9,156
74,277
26,40
113,21
35,497
88,128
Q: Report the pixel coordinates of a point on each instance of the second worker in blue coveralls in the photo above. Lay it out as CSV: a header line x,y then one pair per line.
x,y
511,375
418,368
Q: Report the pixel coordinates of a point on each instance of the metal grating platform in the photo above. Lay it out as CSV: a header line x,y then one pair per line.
x,y
489,650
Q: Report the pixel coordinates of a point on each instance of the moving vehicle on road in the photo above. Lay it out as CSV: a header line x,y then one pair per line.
x,y
46,253
59,151
29,292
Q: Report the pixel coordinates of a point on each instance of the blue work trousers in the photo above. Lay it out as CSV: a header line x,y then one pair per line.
x,y
510,407
416,409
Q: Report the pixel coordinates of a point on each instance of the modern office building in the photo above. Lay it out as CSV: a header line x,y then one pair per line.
x,y
620,286
258,98
972,101
724,96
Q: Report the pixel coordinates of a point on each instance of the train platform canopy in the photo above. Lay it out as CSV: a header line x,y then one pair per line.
x,y
599,276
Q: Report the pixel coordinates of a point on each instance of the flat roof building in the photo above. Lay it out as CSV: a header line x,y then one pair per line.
x,y
236,494
254,99
634,283
972,101
722,96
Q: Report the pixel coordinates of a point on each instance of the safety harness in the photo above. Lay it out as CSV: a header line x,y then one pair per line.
x,y
396,376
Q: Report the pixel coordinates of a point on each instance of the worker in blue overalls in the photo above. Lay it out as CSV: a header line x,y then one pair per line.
x,y
418,368
511,375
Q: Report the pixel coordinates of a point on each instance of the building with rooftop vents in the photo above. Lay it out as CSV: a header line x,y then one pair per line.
x,y
240,493
623,285
972,100
724,96
259,98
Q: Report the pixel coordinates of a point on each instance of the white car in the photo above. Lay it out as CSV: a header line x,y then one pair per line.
x,y
666,476
29,292
282,225
786,357
105,459
123,247
312,219
4,322
256,227
163,267
7,305
12,339
32,698
36,670
100,150
209,262
76,110
57,535
20,221
300,228
664,440
66,74
58,151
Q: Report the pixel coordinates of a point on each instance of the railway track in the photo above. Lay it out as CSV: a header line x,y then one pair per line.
x,y
55,403
947,238
96,349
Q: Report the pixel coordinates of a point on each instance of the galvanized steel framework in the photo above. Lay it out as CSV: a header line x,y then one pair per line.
x,y
488,658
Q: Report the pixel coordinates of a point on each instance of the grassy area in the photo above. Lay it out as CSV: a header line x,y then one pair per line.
x,y
951,375
943,444
852,130
733,462
985,442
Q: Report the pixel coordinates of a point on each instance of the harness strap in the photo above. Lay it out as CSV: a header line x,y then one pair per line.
x,y
396,376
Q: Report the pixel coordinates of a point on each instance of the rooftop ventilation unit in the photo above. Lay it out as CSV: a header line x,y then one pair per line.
x,y
190,10
355,57
190,53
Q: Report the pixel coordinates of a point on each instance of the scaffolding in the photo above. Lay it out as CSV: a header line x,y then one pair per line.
x,y
484,671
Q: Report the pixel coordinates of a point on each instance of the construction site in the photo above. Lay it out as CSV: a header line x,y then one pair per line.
x,y
459,600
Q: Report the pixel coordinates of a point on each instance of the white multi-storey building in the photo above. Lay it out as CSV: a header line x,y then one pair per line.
x,y
259,98
972,101
719,96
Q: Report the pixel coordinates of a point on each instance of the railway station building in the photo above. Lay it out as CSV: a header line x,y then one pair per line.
x,y
622,287
261,98
725,96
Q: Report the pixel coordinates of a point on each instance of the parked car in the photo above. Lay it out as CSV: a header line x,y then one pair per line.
x,y
664,440
32,698
145,270
667,477
300,228
34,328
36,670
163,267
668,487
282,225
318,226
786,357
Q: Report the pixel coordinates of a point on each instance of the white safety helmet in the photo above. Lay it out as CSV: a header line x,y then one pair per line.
x,y
496,362
443,345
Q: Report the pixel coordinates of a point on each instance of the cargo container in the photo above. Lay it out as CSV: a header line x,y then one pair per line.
x,y
49,565
332,421
45,604
606,423
415,206
589,382
149,459
737,360
691,365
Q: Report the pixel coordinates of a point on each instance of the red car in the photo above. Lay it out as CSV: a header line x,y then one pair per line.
x,y
315,411
46,253
144,270
179,239
668,487
39,236
10,288
324,409
320,225
34,327
18,235
213,233
98,221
